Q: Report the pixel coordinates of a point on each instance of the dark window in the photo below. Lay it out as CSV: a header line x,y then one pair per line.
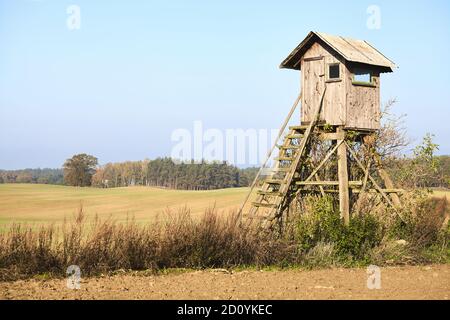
x,y
333,71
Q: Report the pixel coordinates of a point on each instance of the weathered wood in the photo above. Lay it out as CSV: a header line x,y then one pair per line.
x,y
270,193
299,128
285,184
327,183
347,102
387,180
284,158
265,205
303,143
328,155
368,191
366,177
363,103
332,136
273,181
294,136
344,197
391,191
380,190
313,58
354,51
314,79
289,147
269,154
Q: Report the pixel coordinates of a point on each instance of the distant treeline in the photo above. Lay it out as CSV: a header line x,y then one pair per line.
x,y
161,172
164,172
436,176
45,176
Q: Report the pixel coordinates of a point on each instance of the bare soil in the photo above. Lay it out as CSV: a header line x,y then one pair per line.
x,y
408,282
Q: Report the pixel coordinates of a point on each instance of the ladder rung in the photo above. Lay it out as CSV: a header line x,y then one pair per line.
x,y
384,190
273,181
259,217
289,147
282,169
327,183
298,128
284,158
265,205
270,193
294,136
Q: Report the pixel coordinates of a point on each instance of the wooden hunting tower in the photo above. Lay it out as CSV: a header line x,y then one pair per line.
x,y
340,113
351,71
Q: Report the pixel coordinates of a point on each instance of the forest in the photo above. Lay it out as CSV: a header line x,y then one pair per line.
x,y
160,172
166,173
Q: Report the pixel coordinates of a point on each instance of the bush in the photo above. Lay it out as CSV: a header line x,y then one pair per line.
x,y
414,234
317,222
420,220
320,223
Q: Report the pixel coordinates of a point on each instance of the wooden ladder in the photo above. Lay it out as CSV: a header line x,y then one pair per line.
x,y
276,192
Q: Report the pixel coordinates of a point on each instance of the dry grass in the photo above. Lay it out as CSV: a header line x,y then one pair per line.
x,y
214,240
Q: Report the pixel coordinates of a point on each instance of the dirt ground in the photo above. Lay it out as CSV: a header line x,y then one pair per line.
x,y
409,282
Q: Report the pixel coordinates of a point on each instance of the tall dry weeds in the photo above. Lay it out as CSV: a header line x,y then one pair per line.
x,y
219,241
180,241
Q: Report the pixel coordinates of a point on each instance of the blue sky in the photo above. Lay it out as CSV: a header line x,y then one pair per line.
x,y
137,70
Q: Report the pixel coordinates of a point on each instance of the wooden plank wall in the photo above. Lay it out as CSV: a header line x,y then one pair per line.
x,y
313,81
335,102
363,104
345,104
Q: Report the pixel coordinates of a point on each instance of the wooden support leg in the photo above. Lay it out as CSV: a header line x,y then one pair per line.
x,y
344,198
363,189
384,175
389,185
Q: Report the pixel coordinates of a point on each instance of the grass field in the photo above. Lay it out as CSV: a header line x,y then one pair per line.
x,y
35,203
441,194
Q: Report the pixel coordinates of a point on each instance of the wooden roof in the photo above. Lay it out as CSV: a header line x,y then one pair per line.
x,y
357,51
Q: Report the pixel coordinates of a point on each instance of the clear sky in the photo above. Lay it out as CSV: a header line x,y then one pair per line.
x,y
137,70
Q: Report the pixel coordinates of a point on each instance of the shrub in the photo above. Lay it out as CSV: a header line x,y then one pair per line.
x,y
317,222
420,220
320,223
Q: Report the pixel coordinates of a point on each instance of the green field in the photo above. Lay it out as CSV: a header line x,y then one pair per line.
x,y
35,203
